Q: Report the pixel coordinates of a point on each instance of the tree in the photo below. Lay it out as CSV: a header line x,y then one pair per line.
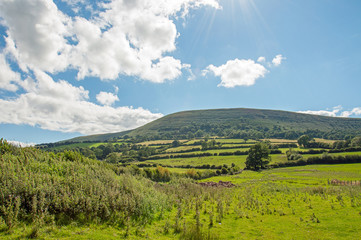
x,y
176,143
356,142
190,135
199,133
204,145
303,140
258,156
112,158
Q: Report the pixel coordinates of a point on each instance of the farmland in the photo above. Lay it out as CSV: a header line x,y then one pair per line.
x,y
267,204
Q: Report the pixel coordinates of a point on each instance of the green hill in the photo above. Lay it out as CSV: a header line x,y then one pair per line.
x,y
238,123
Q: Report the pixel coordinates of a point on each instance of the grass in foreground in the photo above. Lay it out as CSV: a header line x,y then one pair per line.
x,y
263,205
67,196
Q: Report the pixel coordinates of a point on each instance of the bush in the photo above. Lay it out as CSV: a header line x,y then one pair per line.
x,y
324,159
69,187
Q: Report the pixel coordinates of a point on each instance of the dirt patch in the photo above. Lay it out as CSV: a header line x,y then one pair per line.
x,y
217,184
345,183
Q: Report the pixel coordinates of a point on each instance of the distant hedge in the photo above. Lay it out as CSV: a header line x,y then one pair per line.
x,y
324,159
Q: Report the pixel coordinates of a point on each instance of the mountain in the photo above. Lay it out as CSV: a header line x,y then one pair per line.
x,y
238,123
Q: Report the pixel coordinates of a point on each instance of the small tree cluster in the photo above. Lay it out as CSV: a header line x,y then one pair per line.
x,y
258,156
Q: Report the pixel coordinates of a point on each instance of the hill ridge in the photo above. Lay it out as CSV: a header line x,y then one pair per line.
x,y
237,123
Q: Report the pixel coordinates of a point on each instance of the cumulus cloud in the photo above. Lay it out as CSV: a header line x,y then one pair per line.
x,y
354,112
237,72
36,34
107,98
120,37
335,112
276,61
328,113
21,144
8,78
123,37
261,59
62,107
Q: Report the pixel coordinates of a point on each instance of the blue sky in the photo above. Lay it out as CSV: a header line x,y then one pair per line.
x,y
78,67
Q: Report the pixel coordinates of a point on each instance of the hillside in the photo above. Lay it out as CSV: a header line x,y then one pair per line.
x,y
239,123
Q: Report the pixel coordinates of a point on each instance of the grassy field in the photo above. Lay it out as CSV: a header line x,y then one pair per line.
x,y
325,140
159,142
272,140
317,175
72,146
284,150
80,145
239,160
181,148
182,170
334,154
281,203
198,161
205,151
289,203
229,146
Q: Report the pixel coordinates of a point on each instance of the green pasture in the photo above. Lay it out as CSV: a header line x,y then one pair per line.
x,y
181,148
159,142
290,203
221,140
81,145
239,160
333,154
72,146
205,151
311,175
284,203
235,147
325,140
274,140
182,170
229,141
198,161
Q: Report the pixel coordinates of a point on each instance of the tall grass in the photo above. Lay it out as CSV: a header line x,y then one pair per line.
x,y
37,186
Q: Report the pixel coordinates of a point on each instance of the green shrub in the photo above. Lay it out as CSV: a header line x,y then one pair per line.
x,y
68,187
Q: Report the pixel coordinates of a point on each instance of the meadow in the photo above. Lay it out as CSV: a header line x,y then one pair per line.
x,y
68,196
291,203
199,161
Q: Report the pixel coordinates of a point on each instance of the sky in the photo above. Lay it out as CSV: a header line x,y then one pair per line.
x,y
79,67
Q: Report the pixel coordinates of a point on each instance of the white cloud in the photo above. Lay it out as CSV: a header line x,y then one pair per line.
x,y
121,37
124,37
167,68
8,78
327,113
191,75
276,61
237,72
36,34
78,5
74,2
356,112
21,144
261,59
107,98
335,112
62,107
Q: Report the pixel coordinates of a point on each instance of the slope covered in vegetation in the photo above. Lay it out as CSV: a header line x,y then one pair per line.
x,y
42,188
239,123
65,195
